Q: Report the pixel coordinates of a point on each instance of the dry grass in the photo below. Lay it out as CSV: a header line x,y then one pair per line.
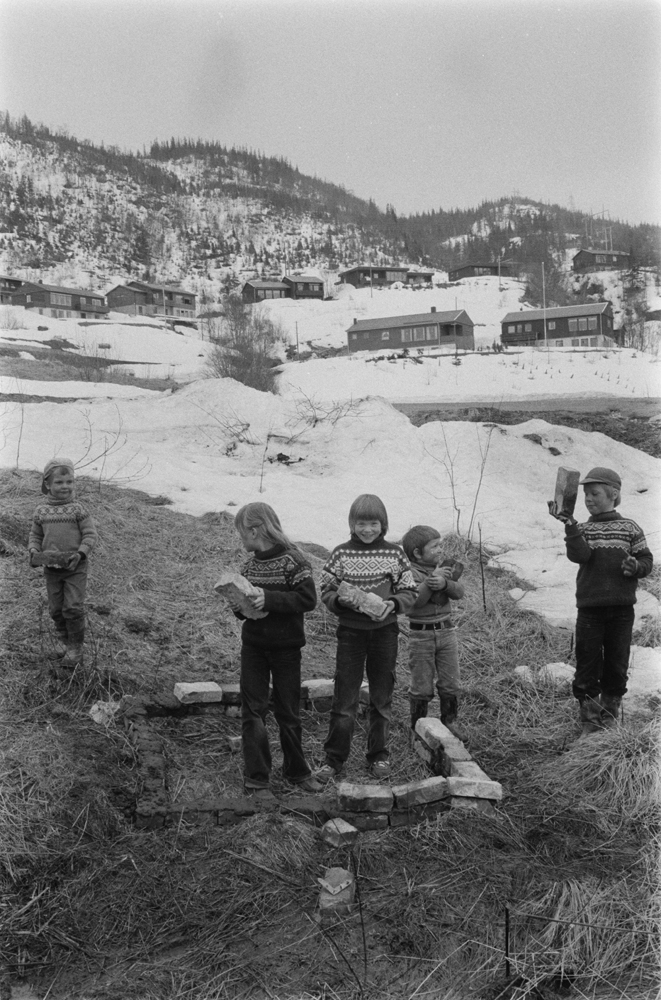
x,y
92,908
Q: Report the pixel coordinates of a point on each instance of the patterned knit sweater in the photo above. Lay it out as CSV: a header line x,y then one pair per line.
x,y
289,592
62,525
599,546
379,568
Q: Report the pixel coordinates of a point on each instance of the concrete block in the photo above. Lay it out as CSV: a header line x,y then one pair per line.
x,y
231,694
418,814
364,798
364,821
472,789
432,732
455,750
320,688
197,692
474,805
338,890
423,751
339,833
468,769
234,743
416,793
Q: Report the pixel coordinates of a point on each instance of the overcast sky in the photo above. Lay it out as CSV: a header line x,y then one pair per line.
x,y
419,103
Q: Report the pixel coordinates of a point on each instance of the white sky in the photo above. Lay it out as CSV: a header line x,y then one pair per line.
x,y
420,103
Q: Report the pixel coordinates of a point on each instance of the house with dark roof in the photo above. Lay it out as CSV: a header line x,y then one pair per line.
x,y
7,288
477,270
59,302
600,260
421,330
303,286
588,325
259,289
379,276
142,298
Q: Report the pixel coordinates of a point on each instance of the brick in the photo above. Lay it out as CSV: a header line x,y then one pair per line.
x,y
338,889
367,821
470,788
320,688
364,798
468,769
416,793
566,489
197,692
231,694
474,805
433,733
234,743
338,833
418,814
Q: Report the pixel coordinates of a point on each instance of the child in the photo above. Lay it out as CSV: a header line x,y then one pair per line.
x,y
380,568
271,646
64,524
433,649
612,555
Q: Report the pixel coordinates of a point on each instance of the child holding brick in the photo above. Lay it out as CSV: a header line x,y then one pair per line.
x,y
433,649
612,555
63,527
366,582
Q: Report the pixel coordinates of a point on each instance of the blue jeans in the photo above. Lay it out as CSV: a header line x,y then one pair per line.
x,y
603,644
358,649
284,667
433,656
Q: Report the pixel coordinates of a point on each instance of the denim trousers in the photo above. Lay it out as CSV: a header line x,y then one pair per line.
x,y
65,590
283,666
373,650
603,644
433,657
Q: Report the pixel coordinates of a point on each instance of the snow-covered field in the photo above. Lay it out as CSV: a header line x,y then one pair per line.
x,y
216,444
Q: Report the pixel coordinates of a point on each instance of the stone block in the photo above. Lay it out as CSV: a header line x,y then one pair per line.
x,y
423,751
197,692
456,750
364,821
433,733
474,789
416,793
234,743
231,694
364,798
338,833
474,805
418,814
468,769
319,808
319,688
239,805
338,890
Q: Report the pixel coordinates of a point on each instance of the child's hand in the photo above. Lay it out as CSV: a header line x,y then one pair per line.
x,y
74,560
630,566
31,553
558,514
257,600
438,580
390,607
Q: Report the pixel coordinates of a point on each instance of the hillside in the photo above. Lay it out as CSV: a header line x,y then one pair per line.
x,y
212,215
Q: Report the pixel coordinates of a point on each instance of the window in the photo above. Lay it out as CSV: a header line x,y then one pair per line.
x,y
300,286
366,335
28,298
528,327
60,300
97,303
584,341
574,343
385,335
260,293
559,343
573,325
406,336
519,327
511,328
592,322
551,324
83,300
140,310
354,336
614,259
582,323
600,258
593,341
419,333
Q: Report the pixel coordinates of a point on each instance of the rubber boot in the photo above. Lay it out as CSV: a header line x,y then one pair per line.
x,y
418,710
59,646
449,709
74,653
610,705
590,711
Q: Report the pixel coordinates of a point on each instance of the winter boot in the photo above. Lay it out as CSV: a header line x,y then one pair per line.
x,y
59,646
74,653
610,705
418,710
590,710
449,709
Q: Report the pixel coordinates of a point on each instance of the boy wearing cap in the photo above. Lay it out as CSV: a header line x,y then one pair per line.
x,y
612,556
63,525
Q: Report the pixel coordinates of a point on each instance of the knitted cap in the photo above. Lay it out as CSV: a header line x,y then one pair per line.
x,y
55,463
601,475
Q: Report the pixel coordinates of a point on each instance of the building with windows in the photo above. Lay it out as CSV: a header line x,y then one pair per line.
x,y
141,298
259,289
7,288
600,260
302,286
589,325
60,303
364,275
476,270
421,330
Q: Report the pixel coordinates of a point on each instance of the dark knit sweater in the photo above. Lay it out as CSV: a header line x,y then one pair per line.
x,y
599,546
378,568
432,605
289,592
62,525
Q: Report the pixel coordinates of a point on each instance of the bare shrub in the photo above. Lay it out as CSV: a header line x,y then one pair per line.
x,y
244,340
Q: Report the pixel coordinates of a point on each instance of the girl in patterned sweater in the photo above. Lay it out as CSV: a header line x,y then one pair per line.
x,y
366,639
271,648
62,524
612,555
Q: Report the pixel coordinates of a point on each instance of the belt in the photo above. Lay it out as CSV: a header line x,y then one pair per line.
x,y
418,626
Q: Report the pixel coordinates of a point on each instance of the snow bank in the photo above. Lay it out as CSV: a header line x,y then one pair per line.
x,y
70,390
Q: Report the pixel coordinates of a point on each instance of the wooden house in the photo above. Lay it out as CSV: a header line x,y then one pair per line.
x,y
259,289
589,325
477,270
382,275
421,277
421,330
58,302
7,288
302,286
142,298
600,260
